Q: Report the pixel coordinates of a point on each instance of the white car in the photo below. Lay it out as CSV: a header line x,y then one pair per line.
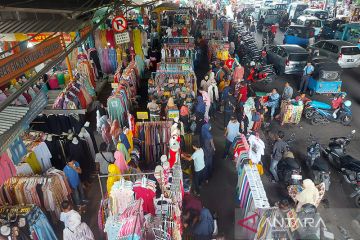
x,y
311,21
346,54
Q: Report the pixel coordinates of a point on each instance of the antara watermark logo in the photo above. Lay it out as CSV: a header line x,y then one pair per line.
x,y
293,223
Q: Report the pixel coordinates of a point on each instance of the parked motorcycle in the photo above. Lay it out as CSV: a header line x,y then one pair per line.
x,y
264,74
310,108
325,116
346,164
319,168
288,168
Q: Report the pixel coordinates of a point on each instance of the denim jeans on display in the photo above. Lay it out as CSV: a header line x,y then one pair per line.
x,y
40,225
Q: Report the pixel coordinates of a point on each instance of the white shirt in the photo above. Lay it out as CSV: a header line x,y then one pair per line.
x,y
65,216
103,163
256,150
199,162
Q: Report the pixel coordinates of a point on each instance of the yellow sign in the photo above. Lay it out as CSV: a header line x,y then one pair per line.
x,y
167,94
181,81
173,114
142,115
114,85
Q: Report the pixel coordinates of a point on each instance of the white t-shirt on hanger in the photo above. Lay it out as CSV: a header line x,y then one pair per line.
x,y
256,150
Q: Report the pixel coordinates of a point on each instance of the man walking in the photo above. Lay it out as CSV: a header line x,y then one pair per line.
x,y
231,132
277,154
287,92
308,71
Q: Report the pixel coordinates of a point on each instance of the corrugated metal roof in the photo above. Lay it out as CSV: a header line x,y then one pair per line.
x,y
51,25
10,116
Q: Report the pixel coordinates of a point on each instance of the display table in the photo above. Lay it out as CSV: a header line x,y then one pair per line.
x,y
290,113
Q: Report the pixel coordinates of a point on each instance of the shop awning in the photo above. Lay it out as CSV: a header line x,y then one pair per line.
x,y
10,116
31,26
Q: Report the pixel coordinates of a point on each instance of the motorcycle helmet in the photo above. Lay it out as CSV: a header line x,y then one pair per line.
x,y
347,103
252,63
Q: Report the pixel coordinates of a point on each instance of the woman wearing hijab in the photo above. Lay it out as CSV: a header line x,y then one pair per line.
x,y
120,162
309,194
114,175
77,230
207,144
204,228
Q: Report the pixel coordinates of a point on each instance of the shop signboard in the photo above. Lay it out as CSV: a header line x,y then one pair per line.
x,y
119,24
16,64
121,38
37,38
142,115
173,114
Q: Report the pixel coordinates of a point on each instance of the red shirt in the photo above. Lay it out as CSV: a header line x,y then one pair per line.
x,y
243,91
273,29
336,103
229,63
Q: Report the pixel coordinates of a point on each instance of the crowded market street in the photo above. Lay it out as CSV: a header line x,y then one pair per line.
x,y
195,120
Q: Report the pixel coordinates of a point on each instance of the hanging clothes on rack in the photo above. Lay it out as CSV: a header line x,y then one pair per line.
x,y
154,137
47,192
28,221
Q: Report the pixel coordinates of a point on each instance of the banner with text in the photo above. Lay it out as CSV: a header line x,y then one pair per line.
x,y
17,64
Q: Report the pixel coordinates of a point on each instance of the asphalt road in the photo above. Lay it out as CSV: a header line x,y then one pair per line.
x,y
341,209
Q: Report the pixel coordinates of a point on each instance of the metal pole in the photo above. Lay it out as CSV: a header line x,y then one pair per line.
x,y
67,58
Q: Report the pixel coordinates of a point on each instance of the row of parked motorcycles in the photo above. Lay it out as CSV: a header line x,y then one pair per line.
x,y
290,171
250,56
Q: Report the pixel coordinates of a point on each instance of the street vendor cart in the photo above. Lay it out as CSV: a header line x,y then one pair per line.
x,y
326,77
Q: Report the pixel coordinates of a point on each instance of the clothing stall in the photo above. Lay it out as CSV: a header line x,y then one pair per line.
x,y
25,222
290,112
47,191
154,138
212,34
143,205
219,49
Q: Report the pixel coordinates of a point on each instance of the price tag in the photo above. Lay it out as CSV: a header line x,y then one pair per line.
x,y
173,114
181,81
167,94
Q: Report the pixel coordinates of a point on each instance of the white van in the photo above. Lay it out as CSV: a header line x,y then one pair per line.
x,y
311,21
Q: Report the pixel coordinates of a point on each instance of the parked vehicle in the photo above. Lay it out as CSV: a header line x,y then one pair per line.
x,y
346,164
296,9
289,168
310,21
319,168
259,73
321,14
270,15
310,108
287,59
298,35
325,116
326,77
346,54
281,8
349,32
329,28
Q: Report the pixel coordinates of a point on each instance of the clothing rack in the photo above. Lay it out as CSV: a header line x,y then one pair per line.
x,y
252,195
119,175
